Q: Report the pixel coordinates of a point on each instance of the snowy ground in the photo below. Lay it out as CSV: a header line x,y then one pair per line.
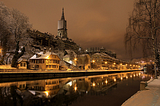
x,y
148,97
6,67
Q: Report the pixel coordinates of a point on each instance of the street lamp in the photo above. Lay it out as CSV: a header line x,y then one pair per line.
x,y
93,61
75,59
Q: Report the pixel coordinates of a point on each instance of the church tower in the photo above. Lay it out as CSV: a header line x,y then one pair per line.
x,y
62,26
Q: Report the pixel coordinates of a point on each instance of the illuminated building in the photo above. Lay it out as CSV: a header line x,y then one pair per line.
x,y
44,60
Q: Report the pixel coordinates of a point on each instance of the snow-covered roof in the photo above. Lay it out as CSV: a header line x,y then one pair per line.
x,y
69,51
66,56
41,55
106,55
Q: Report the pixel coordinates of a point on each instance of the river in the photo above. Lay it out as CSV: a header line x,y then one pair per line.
x,y
98,90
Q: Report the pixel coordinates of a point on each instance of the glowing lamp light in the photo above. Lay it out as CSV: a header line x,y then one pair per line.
x,y
121,78
47,57
121,64
114,63
105,62
115,80
75,59
94,84
46,92
126,64
131,76
106,81
93,61
75,88
126,77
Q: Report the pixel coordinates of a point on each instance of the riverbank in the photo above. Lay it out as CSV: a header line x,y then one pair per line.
x,y
148,97
16,75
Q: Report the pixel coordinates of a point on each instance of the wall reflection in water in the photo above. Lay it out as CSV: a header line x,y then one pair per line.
x,y
61,91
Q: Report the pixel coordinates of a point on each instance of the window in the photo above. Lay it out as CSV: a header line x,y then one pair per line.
x,y
46,66
49,66
37,66
24,64
50,61
53,66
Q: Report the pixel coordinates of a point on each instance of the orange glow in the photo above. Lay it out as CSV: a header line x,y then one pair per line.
x,y
105,62
94,84
106,81
75,59
75,88
46,92
47,57
121,78
93,61
115,80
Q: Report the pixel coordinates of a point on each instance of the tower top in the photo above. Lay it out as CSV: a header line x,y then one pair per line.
x,y
62,17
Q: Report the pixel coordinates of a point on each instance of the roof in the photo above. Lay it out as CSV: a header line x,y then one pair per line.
x,y
41,55
106,55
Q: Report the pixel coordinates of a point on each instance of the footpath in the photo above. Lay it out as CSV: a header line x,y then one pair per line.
x,y
150,96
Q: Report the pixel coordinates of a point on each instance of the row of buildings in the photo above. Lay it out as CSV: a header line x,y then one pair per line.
x,y
47,60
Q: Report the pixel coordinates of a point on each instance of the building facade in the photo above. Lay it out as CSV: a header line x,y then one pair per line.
x,y
44,61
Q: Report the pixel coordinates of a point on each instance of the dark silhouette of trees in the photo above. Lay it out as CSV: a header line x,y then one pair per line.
x,y
17,55
143,28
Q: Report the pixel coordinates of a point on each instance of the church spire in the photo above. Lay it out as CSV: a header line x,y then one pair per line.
x,y
62,18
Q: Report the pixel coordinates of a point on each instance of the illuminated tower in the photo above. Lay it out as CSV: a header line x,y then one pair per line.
x,y
62,26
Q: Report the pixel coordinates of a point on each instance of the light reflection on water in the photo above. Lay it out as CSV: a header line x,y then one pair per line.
x,y
61,91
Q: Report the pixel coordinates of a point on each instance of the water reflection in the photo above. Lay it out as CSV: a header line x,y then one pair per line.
x,y
61,91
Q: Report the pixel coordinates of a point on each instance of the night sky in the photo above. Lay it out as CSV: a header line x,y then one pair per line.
x,y
90,23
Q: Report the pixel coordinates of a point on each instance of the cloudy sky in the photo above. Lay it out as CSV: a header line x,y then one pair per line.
x,y
90,23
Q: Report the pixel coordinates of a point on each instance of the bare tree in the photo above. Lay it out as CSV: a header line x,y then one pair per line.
x,y
5,22
143,28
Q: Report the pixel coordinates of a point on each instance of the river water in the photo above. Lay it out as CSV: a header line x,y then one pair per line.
x,y
99,90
